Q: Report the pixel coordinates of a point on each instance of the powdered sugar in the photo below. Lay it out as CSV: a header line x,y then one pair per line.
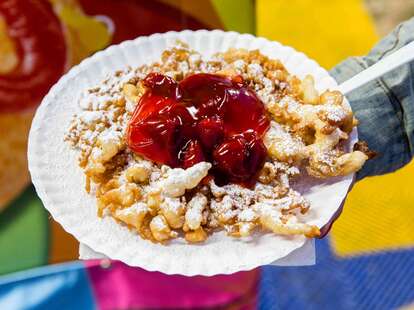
x,y
159,223
333,112
239,64
91,117
194,214
247,215
176,181
110,136
255,70
172,204
134,209
281,141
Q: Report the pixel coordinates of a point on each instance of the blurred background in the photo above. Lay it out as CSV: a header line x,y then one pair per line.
x,y
367,261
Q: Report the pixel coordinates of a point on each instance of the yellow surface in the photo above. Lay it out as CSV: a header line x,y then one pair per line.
x,y
236,15
8,56
326,30
84,34
378,215
379,212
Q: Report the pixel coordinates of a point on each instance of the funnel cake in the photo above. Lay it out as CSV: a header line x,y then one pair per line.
x,y
168,151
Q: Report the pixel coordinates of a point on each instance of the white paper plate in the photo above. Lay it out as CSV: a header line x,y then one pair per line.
x,y
60,182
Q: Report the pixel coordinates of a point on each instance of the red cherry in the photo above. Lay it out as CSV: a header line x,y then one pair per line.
x,y
147,105
207,92
155,129
240,157
244,111
257,152
230,156
161,84
191,154
210,132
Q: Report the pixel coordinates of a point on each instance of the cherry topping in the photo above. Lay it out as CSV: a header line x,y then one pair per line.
x,y
244,113
156,126
207,92
210,131
191,154
161,84
239,157
205,117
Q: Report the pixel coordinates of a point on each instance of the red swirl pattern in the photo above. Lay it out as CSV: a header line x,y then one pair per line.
x,y
41,49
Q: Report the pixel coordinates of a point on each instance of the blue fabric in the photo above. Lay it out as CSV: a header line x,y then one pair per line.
x,y
64,286
382,281
384,107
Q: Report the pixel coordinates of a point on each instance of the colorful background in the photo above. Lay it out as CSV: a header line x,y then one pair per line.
x,y
366,262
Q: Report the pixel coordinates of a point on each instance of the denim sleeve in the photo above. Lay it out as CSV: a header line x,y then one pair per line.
x,y
384,107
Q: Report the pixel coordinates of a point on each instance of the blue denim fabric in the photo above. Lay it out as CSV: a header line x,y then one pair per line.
x,y
384,107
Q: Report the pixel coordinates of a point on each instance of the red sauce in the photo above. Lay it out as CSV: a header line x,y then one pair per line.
x,y
40,44
205,117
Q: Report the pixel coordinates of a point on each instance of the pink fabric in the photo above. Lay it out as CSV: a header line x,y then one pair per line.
x,y
121,287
